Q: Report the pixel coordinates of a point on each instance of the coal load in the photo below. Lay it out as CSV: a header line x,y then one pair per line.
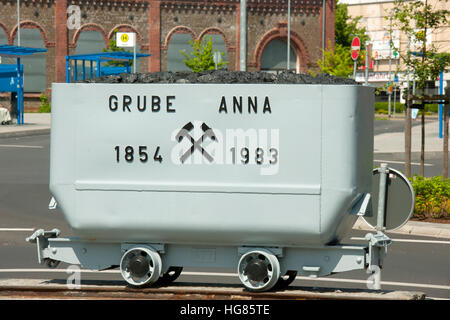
x,y
222,76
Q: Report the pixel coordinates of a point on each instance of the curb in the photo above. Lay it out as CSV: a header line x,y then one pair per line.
x,y
24,133
427,229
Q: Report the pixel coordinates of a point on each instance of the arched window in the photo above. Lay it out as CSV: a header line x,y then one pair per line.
x,y
218,44
3,38
274,57
34,72
178,42
90,42
3,41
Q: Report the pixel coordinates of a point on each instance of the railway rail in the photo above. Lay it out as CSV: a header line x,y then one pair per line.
x,y
112,290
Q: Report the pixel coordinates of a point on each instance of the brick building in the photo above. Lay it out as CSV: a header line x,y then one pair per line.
x,y
163,28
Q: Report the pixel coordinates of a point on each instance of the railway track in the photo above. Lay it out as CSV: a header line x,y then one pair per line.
x,y
113,290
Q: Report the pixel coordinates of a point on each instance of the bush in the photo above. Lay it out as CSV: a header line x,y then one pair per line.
x,y
431,197
382,107
45,106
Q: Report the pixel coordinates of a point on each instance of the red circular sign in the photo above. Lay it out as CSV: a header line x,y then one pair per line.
x,y
356,46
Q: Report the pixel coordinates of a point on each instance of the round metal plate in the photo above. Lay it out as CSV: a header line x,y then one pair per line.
x,y
399,200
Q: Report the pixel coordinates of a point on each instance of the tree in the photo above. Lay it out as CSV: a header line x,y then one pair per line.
x,y
346,28
338,62
202,56
416,19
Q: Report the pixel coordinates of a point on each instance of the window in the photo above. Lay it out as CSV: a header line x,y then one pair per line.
x,y
34,72
274,57
3,39
178,42
90,42
218,44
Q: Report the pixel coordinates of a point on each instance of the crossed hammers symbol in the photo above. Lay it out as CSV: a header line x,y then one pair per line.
x,y
184,133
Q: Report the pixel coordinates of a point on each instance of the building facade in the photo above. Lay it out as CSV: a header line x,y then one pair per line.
x,y
375,17
163,28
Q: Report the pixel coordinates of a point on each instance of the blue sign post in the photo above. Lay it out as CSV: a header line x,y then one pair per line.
x,y
441,112
11,76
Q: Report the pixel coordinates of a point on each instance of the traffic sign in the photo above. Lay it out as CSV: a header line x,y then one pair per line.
x,y
400,200
356,46
125,39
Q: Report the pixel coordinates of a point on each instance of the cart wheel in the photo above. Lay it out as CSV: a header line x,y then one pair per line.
x,y
141,266
50,263
259,270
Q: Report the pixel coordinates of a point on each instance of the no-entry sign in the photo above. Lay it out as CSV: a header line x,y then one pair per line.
x,y
356,46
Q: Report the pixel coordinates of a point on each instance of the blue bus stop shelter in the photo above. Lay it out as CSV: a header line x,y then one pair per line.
x,y
11,75
91,64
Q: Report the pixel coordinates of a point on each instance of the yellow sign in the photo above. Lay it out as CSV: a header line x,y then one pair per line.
x,y
125,39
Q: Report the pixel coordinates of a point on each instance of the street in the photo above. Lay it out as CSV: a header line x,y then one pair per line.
x,y
413,263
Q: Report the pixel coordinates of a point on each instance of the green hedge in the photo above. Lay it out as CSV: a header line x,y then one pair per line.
x,y
383,107
432,196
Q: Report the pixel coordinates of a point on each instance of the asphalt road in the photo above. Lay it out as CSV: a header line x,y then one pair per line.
x,y
413,263
433,160
394,125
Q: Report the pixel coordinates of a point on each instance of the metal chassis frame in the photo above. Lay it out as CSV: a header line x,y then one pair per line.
x,y
313,261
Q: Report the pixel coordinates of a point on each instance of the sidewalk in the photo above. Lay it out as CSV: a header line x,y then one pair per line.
x,y
34,124
395,142
426,229
39,123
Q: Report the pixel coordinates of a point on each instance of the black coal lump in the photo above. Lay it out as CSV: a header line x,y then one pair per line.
x,y
222,76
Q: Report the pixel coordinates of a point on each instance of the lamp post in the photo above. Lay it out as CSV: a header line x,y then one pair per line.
x,y
288,35
323,29
243,36
389,73
18,23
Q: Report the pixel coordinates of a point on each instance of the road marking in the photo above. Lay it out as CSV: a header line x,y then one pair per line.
x,y
54,270
19,146
234,275
17,229
409,240
403,162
